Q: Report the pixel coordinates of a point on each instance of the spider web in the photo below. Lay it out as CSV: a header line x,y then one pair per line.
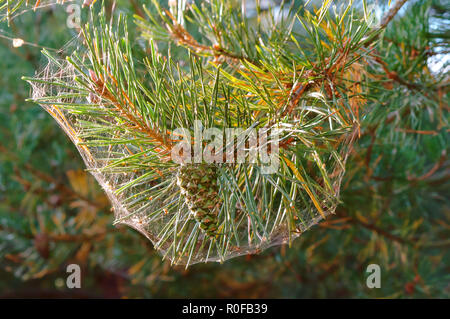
x,y
53,88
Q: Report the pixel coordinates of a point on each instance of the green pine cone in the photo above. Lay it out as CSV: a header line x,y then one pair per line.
x,y
198,184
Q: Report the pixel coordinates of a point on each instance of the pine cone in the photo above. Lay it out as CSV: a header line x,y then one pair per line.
x,y
198,184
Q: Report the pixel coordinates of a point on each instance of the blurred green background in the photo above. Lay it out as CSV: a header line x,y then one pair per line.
x,y
395,209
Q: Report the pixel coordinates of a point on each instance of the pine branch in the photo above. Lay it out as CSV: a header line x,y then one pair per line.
x,y
392,75
135,122
391,13
124,110
183,38
381,232
385,22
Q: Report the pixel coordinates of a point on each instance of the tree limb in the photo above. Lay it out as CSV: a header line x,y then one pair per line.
x,y
391,13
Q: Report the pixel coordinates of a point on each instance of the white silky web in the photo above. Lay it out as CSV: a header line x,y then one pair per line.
x,y
158,210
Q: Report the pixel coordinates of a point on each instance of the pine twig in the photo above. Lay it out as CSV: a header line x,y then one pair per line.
x,y
183,37
393,76
391,13
295,98
385,21
101,89
380,231
433,170
137,8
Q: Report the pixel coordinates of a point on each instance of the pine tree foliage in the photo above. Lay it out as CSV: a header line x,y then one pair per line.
x,y
122,117
394,202
11,9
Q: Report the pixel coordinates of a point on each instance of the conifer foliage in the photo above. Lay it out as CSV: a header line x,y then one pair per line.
x,y
122,111
347,101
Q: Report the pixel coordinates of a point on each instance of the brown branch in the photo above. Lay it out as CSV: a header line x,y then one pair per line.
x,y
184,38
375,229
370,148
433,170
77,237
101,89
391,13
137,8
295,98
422,132
385,21
379,231
393,76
